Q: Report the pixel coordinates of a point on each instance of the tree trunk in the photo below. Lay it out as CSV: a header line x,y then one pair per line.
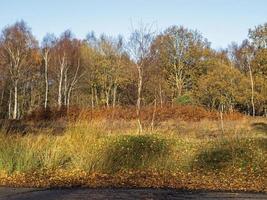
x,y
96,97
2,96
46,80
2,99
71,85
10,104
65,87
178,78
107,98
68,98
25,100
138,104
173,99
59,101
160,96
32,97
114,95
231,109
92,97
154,114
221,117
15,109
252,91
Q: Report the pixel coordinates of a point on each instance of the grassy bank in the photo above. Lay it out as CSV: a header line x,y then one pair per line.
x,y
100,153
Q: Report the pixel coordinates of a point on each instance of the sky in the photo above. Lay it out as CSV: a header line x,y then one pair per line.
x,y
220,21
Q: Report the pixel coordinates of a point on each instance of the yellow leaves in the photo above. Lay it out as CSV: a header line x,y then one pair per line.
x,y
136,178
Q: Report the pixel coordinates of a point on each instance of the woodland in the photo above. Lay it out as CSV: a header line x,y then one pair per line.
x,y
157,109
174,67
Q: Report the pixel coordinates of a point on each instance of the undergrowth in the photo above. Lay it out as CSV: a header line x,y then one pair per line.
x,y
90,148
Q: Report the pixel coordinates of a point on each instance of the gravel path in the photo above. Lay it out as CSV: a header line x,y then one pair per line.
x,y
148,194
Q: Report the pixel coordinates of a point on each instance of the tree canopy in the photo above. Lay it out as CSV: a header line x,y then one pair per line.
x,y
175,66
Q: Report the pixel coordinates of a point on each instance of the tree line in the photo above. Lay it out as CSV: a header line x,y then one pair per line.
x,y
176,66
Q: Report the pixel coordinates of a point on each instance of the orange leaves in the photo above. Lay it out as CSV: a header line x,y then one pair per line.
x,y
137,178
185,113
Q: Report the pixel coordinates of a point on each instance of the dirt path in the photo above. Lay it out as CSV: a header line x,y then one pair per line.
x,y
148,194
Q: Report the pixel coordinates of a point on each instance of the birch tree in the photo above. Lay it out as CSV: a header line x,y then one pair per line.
x,y
139,48
75,71
18,43
243,57
62,54
258,38
47,47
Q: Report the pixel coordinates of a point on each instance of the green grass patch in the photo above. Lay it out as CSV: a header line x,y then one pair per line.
x,y
136,152
241,154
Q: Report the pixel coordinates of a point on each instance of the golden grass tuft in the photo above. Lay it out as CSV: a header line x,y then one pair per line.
x,y
111,153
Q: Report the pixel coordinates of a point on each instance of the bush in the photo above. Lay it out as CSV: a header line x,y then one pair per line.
x,y
135,152
232,154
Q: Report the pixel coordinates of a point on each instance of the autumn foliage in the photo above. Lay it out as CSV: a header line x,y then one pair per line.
x,y
180,113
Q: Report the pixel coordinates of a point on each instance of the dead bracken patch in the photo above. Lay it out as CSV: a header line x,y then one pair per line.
x,y
177,112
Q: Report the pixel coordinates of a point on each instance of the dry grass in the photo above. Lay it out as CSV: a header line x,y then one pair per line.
x,y
105,153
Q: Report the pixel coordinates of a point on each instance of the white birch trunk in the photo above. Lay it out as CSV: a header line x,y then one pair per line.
x,y
10,104
46,79
138,104
15,109
252,90
60,85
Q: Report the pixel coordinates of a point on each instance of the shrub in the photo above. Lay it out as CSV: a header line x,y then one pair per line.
x,y
135,152
232,154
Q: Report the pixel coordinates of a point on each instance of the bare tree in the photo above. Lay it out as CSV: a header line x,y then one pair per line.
x,y
62,53
249,58
248,53
47,46
139,48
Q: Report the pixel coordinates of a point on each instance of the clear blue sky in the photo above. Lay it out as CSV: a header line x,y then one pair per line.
x,y
221,21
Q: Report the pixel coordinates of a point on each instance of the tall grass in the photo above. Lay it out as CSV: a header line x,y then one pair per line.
x,y
91,148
